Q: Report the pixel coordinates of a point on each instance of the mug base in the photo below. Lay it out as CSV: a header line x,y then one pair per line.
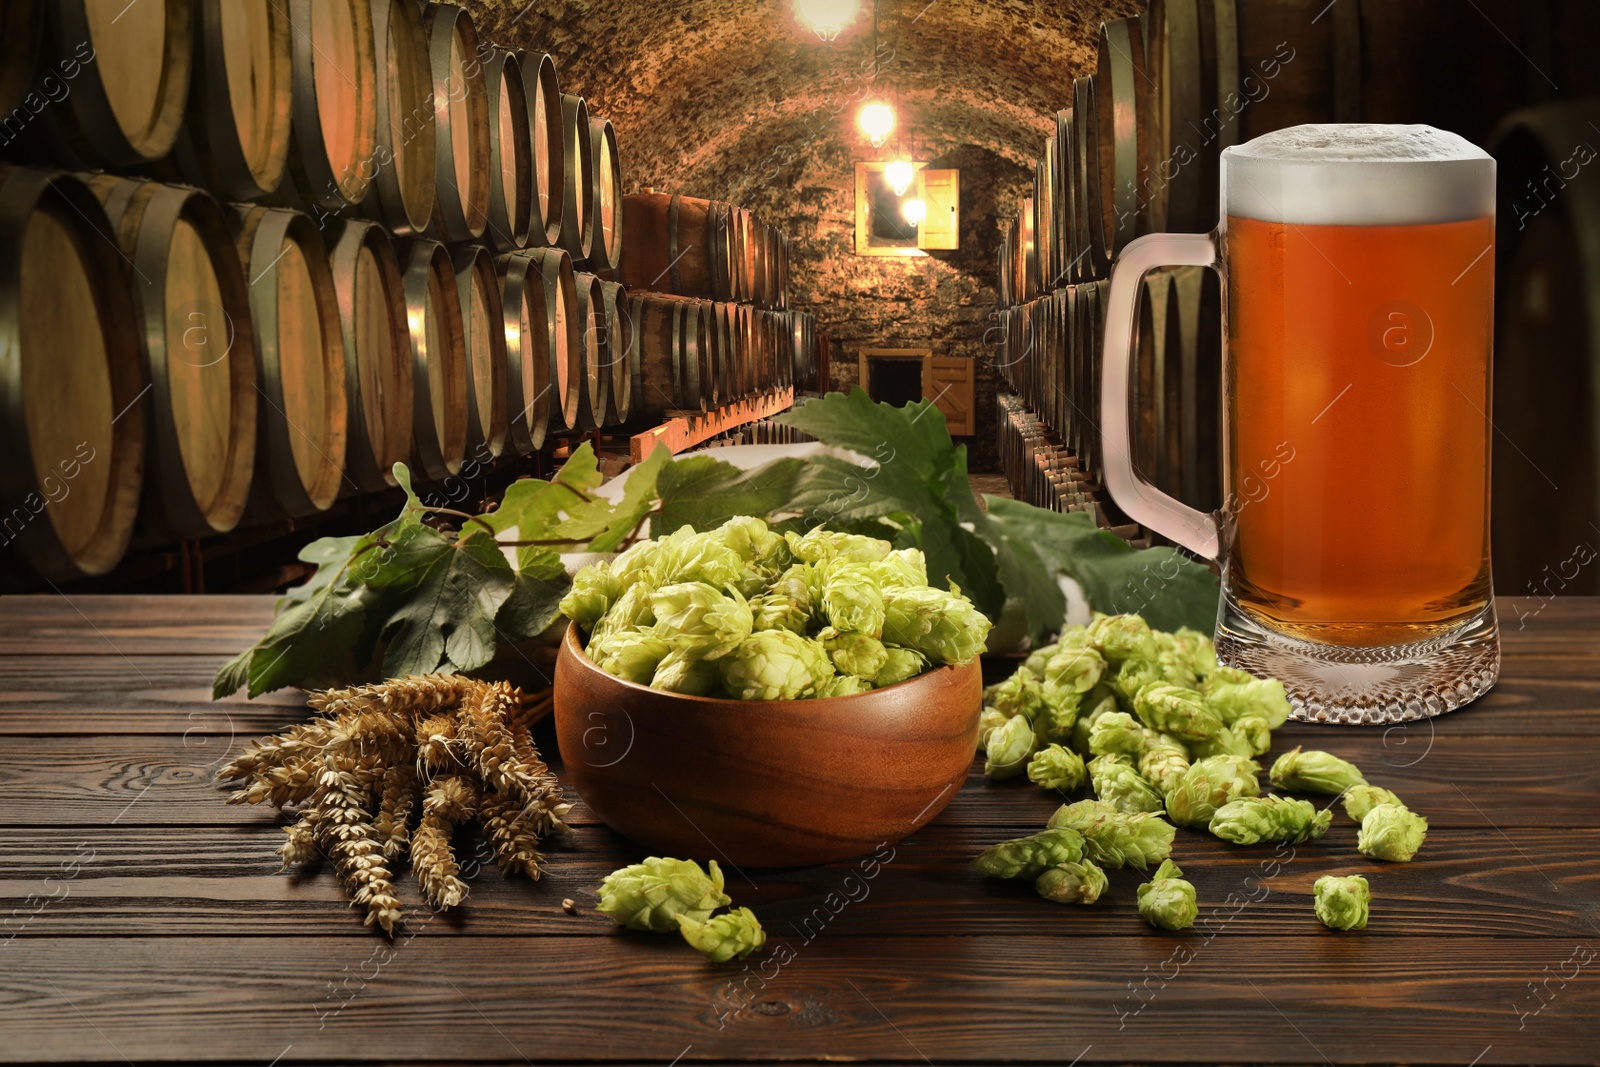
x,y
1364,686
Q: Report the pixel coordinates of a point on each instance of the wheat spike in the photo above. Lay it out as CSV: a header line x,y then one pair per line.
x,y
448,801
346,828
435,736
301,844
393,824
300,741
515,844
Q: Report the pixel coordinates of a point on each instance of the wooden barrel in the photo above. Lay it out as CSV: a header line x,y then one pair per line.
x,y
198,348
1158,444
1065,235
1547,327
300,372
21,49
377,354
1044,217
461,115
334,126
528,347
1121,81
541,91
1196,292
724,352
616,346
71,383
439,386
594,393
577,164
606,254
1030,250
760,294
235,134
112,80
783,271
1088,205
403,186
678,244
511,179
566,337
668,336
483,332
1008,297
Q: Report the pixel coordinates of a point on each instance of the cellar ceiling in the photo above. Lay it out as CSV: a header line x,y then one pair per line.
x,y
719,97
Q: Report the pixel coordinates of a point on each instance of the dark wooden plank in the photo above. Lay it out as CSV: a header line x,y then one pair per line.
x,y
170,694
1325,996
1458,781
225,881
52,624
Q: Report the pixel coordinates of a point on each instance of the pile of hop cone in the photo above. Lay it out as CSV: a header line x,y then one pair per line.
x,y
395,768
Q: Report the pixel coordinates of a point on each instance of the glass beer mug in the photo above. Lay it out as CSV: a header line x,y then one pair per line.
x,y
1357,267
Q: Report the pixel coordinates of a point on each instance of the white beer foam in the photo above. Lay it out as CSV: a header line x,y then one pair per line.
x,y
1332,174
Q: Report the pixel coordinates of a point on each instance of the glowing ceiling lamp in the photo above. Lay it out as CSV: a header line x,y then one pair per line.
x,y
826,18
899,174
876,121
914,211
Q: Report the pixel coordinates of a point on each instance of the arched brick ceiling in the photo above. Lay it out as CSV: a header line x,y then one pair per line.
x,y
714,97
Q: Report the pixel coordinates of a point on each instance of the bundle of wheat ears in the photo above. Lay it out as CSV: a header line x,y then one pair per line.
x,y
400,765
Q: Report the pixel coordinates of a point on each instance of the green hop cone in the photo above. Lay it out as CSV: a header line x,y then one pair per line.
x,y
1341,902
731,935
1116,782
1072,883
1008,748
1055,767
822,545
899,665
1058,714
1197,648
686,556
1083,724
844,685
682,672
1114,838
852,599
1226,742
1209,784
1250,820
1221,675
1302,771
630,611
1175,710
1163,760
1026,857
1020,694
1039,657
989,720
632,565
1360,799
907,567
629,654
775,665
1253,733
594,589
1167,901
854,653
1075,668
1391,832
1122,637
651,895
698,620
755,543
1262,697
943,626
775,611
1116,734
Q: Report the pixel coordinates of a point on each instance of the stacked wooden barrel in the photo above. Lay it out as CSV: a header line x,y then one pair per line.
x,y
1136,150
709,292
369,263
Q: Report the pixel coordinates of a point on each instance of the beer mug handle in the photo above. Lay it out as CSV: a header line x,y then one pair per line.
x,y
1143,502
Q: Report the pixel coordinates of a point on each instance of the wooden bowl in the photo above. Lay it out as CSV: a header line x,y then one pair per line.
x,y
779,783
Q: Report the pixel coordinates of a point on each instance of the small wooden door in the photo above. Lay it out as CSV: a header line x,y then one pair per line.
x,y
948,382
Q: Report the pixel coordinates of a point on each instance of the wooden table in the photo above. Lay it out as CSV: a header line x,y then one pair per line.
x,y
143,920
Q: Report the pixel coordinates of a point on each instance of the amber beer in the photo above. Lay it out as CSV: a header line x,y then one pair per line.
x,y
1357,264
1362,354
